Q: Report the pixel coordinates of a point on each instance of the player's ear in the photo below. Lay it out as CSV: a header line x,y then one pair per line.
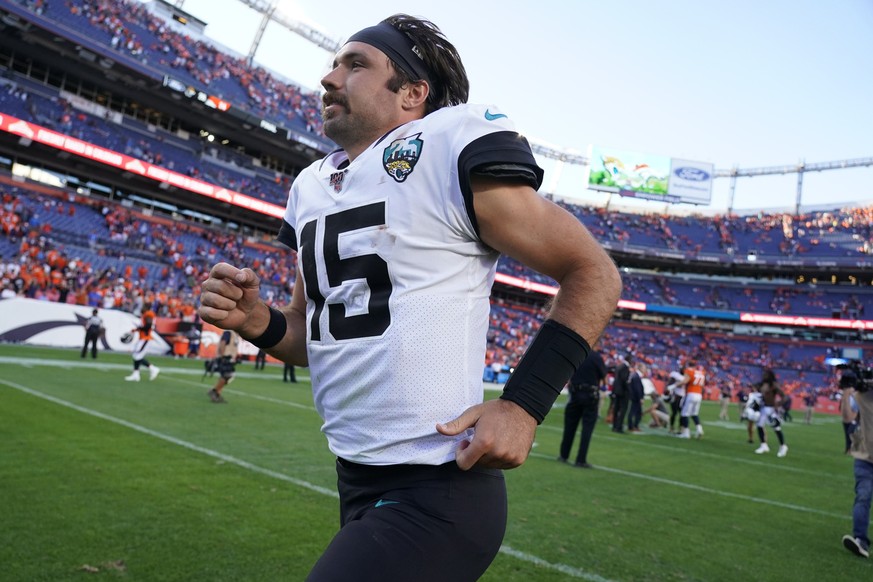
x,y
416,93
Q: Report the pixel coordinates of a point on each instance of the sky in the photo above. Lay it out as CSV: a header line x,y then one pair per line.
x,y
739,83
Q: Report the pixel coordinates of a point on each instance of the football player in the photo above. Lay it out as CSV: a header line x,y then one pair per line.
x,y
397,235
693,380
771,398
143,337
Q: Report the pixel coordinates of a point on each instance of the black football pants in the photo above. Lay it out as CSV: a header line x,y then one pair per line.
x,y
414,523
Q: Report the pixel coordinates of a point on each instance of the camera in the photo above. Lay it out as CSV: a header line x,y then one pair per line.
x,y
855,374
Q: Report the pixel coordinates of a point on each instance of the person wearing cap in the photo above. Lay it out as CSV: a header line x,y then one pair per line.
x,y
397,235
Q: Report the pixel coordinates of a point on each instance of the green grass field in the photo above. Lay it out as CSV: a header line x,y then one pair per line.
x,y
106,479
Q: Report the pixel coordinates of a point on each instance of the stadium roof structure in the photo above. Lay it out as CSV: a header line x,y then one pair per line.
x,y
268,9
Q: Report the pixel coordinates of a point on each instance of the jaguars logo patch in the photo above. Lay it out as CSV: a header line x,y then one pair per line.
x,y
401,155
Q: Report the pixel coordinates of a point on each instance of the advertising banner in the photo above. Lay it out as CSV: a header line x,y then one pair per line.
x,y
649,176
45,323
691,181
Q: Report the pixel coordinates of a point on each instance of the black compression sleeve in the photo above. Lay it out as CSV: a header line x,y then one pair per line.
x,y
550,360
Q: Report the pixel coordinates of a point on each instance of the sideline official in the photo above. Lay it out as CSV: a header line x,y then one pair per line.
x,y
93,331
584,403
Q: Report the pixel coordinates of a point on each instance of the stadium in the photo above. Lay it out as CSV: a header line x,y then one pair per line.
x,y
135,154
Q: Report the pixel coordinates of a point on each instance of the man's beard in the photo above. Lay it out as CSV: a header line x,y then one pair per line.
x,y
346,130
341,130
338,125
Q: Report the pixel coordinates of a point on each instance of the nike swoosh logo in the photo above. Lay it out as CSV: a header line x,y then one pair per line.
x,y
383,502
492,116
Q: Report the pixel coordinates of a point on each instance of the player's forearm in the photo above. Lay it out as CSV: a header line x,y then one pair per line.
x,y
581,311
588,296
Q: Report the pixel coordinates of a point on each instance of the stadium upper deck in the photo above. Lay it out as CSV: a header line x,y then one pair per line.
x,y
132,34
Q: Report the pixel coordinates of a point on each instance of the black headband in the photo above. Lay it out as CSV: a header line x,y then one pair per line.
x,y
397,46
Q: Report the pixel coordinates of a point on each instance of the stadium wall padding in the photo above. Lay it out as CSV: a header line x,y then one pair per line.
x,y
45,323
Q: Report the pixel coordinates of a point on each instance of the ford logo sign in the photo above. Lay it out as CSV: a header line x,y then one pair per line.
x,y
693,174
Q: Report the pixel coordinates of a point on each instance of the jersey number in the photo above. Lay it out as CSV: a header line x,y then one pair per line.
x,y
370,268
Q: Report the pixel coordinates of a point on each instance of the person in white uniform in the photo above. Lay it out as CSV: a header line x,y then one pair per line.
x,y
397,236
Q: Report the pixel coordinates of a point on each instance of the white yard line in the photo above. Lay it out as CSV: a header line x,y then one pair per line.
x,y
711,491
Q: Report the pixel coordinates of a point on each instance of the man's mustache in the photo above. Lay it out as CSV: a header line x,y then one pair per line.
x,y
334,99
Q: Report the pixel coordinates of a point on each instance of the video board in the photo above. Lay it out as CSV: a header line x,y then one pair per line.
x,y
649,176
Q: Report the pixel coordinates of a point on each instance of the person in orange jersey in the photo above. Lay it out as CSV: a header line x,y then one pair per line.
x,y
694,379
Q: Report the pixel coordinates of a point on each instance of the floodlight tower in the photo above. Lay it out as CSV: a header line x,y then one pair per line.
x,y
268,9
733,189
267,17
800,170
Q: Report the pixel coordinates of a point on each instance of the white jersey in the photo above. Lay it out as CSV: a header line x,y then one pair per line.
x,y
398,283
94,324
675,387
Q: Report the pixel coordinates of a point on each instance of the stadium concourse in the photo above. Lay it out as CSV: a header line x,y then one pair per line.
x,y
134,154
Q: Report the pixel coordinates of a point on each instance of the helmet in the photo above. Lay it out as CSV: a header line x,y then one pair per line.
x,y
127,338
751,414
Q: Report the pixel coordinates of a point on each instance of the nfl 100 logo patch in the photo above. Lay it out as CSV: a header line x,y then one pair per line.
x,y
336,180
401,155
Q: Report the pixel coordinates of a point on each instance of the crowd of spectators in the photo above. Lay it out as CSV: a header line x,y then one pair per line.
x,y
749,296
138,266
730,361
842,233
193,157
824,234
132,232
132,30
132,261
846,232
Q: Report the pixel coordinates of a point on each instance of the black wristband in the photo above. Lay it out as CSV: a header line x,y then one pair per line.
x,y
274,333
550,360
